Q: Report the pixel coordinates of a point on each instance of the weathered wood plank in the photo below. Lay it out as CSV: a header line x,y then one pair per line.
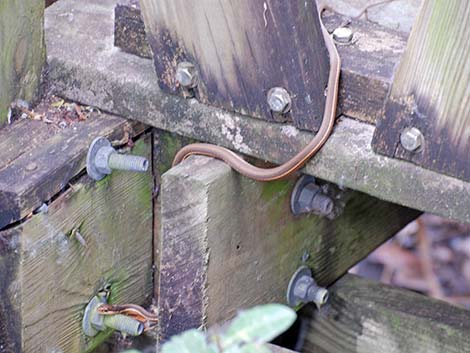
x,y
22,51
368,62
126,84
367,317
38,161
129,29
52,275
228,242
241,50
431,91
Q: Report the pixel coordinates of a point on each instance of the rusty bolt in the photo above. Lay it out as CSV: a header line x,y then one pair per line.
x,y
186,75
411,139
279,100
343,35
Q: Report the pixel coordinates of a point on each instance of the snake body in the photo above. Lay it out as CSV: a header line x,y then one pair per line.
x,y
299,160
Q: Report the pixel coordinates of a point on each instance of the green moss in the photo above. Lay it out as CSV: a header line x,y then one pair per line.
x,y
21,39
275,189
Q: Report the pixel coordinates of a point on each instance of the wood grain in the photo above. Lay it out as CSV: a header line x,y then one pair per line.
x,y
37,162
229,243
243,49
53,275
367,317
431,91
22,51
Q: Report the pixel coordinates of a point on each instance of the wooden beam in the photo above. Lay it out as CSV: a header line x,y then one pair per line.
x,y
241,50
368,62
48,275
228,242
431,91
126,84
22,51
367,317
38,161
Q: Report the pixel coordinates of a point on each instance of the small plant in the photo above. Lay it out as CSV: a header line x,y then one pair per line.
x,y
248,332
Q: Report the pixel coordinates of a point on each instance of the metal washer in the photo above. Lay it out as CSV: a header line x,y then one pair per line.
x,y
292,300
95,146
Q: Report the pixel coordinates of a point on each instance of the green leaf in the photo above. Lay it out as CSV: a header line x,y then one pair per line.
x,y
260,324
192,341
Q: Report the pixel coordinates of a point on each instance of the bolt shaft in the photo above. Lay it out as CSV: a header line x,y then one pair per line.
x,y
126,162
124,324
317,295
322,204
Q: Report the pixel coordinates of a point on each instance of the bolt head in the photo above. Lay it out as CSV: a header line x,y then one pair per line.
x,y
293,290
343,35
411,139
279,100
92,321
97,159
186,75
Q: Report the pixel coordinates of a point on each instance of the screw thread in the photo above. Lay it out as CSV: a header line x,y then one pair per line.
x,y
125,324
126,162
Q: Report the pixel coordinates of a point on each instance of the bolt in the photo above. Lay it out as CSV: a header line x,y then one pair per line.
x,y
343,35
93,321
279,100
31,166
124,324
308,197
186,75
411,139
102,158
303,289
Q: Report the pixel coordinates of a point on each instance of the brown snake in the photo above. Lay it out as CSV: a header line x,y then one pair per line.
x,y
296,162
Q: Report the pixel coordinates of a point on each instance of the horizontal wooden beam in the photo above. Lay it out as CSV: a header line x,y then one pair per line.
x,y
38,161
367,317
126,85
227,242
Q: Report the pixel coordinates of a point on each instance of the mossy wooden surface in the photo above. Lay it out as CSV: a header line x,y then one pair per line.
x,y
38,160
367,317
228,242
22,51
431,91
55,275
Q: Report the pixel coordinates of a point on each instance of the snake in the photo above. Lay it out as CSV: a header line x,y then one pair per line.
x,y
297,161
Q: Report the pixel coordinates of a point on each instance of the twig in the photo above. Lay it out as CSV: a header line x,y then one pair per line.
x,y
366,8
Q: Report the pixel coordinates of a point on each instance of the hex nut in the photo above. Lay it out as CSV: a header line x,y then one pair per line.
x,y
186,75
279,100
343,35
411,139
